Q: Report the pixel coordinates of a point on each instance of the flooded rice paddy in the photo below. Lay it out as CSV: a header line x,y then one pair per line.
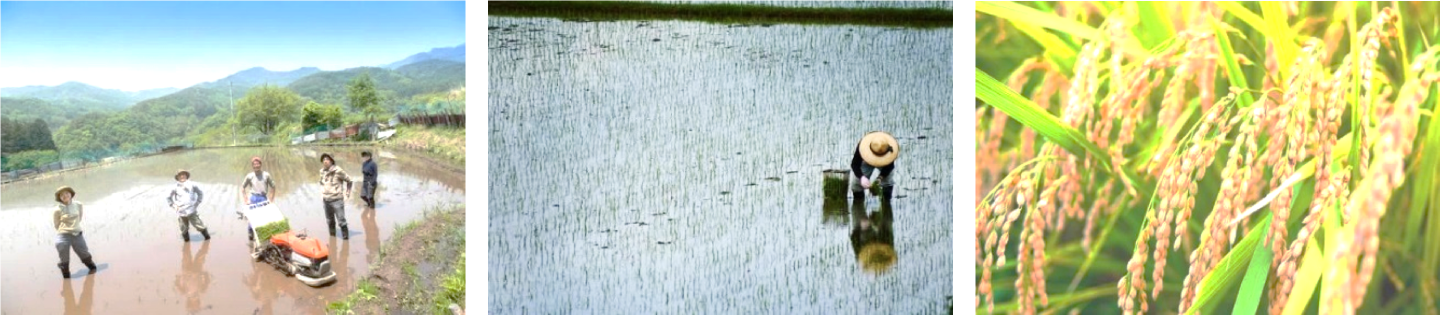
x,y
835,4
675,167
146,268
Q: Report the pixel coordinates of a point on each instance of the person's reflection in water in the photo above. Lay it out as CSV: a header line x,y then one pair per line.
x,y
193,280
872,238
86,300
372,234
260,289
340,260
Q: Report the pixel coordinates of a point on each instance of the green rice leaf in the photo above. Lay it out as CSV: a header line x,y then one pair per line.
x,y
1155,25
1335,231
992,92
1423,174
1278,30
1232,67
1227,274
1245,15
1312,266
1357,110
1017,13
1253,287
1056,50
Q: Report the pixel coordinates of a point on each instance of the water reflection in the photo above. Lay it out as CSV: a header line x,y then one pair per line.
x,y
834,213
372,234
262,288
340,259
193,279
704,162
86,300
872,238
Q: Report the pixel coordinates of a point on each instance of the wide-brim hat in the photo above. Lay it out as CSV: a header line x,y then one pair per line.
x,y
877,258
64,189
182,172
879,148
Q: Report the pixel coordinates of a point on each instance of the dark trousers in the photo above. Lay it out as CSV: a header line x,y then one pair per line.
x,y
335,211
64,242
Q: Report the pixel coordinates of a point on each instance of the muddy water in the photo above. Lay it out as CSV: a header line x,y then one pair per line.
x,y
146,268
675,167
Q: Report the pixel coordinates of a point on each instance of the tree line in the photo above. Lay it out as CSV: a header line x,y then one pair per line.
x,y
26,144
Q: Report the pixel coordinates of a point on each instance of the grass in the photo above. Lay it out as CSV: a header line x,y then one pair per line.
x,y
446,143
431,240
725,13
1343,165
452,288
365,291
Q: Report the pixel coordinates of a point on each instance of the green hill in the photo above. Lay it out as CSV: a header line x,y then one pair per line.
x,y
75,95
329,87
248,78
55,115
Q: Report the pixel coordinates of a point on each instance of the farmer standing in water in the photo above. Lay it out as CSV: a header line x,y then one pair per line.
x,y
68,213
257,188
876,150
335,188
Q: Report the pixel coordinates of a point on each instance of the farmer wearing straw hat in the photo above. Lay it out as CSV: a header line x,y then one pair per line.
x,y
877,149
67,225
184,199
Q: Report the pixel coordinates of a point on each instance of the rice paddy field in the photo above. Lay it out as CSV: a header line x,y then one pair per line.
x,y
1207,157
657,166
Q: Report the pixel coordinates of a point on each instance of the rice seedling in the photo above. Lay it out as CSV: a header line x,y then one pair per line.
x,y
1310,191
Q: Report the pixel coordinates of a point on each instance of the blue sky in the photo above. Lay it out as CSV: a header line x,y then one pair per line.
x,y
143,45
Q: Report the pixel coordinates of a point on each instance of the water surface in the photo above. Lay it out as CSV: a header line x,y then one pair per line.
x,y
675,167
146,268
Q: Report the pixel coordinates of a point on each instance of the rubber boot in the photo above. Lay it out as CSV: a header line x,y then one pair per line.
x,y
64,270
90,263
206,233
346,232
886,193
859,196
185,236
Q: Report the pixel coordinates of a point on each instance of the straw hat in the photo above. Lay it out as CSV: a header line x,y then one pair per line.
x,y
64,189
182,172
879,148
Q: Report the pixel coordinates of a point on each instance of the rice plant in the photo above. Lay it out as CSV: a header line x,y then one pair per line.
x,y
1207,157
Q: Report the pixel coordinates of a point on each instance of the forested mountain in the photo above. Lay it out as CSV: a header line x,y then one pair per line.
x,y
55,115
152,93
199,113
396,85
150,123
76,94
456,54
252,77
